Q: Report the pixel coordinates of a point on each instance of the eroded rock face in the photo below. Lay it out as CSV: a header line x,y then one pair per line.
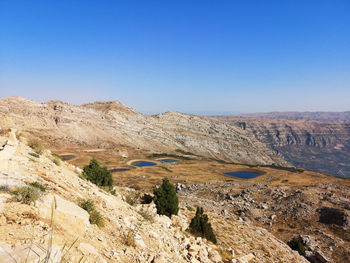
x,y
66,214
329,215
314,145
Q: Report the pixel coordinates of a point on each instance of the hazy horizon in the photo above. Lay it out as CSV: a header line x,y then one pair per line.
x,y
199,57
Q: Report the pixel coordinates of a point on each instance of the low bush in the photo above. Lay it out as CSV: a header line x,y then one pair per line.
x,y
297,245
34,155
4,188
57,161
95,216
36,145
27,194
147,216
129,238
87,205
132,198
200,226
38,186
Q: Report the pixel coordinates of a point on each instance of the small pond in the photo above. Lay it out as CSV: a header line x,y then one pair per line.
x,y
67,157
243,175
143,164
117,170
169,161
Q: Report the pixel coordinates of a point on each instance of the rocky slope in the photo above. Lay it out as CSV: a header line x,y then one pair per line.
x,y
111,124
314,145
316,214
55,227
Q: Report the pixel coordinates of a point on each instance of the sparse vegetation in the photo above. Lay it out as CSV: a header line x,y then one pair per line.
x,y
160,155
184,152
36,145
38,186
165,199
87,205
56,159
297,245
200,226
166,169
4,188
189,208
95,216
147,216
34,155
98,175
129,239
27,194
132,198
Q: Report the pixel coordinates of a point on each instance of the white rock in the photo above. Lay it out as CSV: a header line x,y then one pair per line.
x,y
66,214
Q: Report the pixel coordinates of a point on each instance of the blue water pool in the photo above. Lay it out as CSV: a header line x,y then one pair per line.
x,y
143,164
243,175
169,161
116,170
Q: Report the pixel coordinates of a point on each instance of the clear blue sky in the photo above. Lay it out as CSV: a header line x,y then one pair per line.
x,y
190,56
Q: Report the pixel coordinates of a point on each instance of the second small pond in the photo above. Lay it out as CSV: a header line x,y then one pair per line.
x,y
143,163
243,175
169,161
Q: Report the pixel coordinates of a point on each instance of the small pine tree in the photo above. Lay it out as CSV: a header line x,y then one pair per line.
x,y
200,226
97,174
166,199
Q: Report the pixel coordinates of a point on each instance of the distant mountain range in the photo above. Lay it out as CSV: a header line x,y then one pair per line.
x,y
323,116
318,141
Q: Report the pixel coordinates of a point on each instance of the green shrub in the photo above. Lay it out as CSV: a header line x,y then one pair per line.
x,y
297,245
165,199
95,216
57,161
200,226
38,186
4,188
97,174
34,155
27,194
189,208
87,205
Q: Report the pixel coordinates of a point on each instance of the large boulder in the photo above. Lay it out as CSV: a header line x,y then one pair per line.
x,y
66,214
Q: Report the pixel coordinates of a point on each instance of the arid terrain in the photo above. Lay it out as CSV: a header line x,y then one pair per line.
x,y
253,219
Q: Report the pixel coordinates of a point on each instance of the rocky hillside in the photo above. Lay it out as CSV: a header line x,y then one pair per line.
x,y
55,228
314,145
111,124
